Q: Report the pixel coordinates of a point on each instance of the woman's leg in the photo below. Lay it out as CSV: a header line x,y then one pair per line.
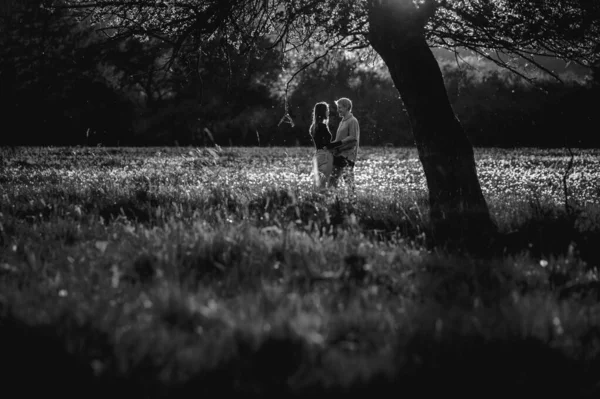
x,y
323,168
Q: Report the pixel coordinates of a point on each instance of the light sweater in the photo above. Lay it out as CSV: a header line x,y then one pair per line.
x,y
348,130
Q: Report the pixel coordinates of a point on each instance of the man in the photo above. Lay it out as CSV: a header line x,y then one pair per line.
x,y
345,146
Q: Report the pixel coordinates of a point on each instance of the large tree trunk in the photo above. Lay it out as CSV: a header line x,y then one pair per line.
x,y
458,209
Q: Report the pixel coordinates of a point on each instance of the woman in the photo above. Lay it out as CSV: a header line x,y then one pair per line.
x,y
321,137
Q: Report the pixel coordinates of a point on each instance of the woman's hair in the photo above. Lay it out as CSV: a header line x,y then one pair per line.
x,y
320,114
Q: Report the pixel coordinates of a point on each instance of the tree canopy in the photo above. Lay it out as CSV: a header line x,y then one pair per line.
x,y
402,33
494,29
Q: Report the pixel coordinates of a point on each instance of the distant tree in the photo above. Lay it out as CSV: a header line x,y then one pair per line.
x,y
366,81
51,90
401,32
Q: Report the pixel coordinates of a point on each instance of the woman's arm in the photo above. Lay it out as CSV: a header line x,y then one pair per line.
x,y
351,139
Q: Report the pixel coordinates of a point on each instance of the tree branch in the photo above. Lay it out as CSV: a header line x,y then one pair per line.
x,y
286,116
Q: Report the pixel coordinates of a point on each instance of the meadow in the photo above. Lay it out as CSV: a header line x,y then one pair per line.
x,y
177,272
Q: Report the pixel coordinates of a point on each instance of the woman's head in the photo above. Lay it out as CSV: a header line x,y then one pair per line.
x,y
320,112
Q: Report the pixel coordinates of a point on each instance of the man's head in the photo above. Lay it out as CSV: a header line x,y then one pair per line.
x,y
344,106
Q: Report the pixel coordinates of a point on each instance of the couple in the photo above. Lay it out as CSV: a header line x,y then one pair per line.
x,y
334,159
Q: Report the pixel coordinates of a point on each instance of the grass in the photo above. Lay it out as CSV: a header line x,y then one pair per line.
x,y
175,272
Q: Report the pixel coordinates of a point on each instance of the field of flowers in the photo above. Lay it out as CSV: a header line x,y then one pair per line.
x,y
382,174
173,271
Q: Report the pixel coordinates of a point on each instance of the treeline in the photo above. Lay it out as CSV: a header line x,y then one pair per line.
x,y
64,83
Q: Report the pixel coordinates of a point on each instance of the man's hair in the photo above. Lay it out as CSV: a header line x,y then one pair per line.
x,y
344,101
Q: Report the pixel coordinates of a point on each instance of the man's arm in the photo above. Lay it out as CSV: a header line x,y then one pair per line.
x,y
347,142
353,131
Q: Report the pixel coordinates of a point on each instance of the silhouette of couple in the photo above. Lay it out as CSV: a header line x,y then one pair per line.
x,y
334,159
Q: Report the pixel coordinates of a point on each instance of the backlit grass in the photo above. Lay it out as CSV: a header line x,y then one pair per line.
x,y
174,272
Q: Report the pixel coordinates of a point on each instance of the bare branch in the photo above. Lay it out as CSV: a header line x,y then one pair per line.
x,y
286,116
498,61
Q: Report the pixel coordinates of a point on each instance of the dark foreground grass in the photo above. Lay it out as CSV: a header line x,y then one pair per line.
x,y
112,286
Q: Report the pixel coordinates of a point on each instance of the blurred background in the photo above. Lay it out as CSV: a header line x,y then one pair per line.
x,y
63,83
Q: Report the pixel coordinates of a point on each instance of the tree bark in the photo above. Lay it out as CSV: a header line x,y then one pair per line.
x,y
458,209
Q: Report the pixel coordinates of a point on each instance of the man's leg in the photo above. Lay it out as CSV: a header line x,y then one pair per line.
x,y
348,176
335,176
336,173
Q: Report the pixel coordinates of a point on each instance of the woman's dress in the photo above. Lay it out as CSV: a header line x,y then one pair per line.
x,y
323,158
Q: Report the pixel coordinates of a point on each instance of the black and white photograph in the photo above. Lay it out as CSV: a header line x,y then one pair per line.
x,y
300,198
